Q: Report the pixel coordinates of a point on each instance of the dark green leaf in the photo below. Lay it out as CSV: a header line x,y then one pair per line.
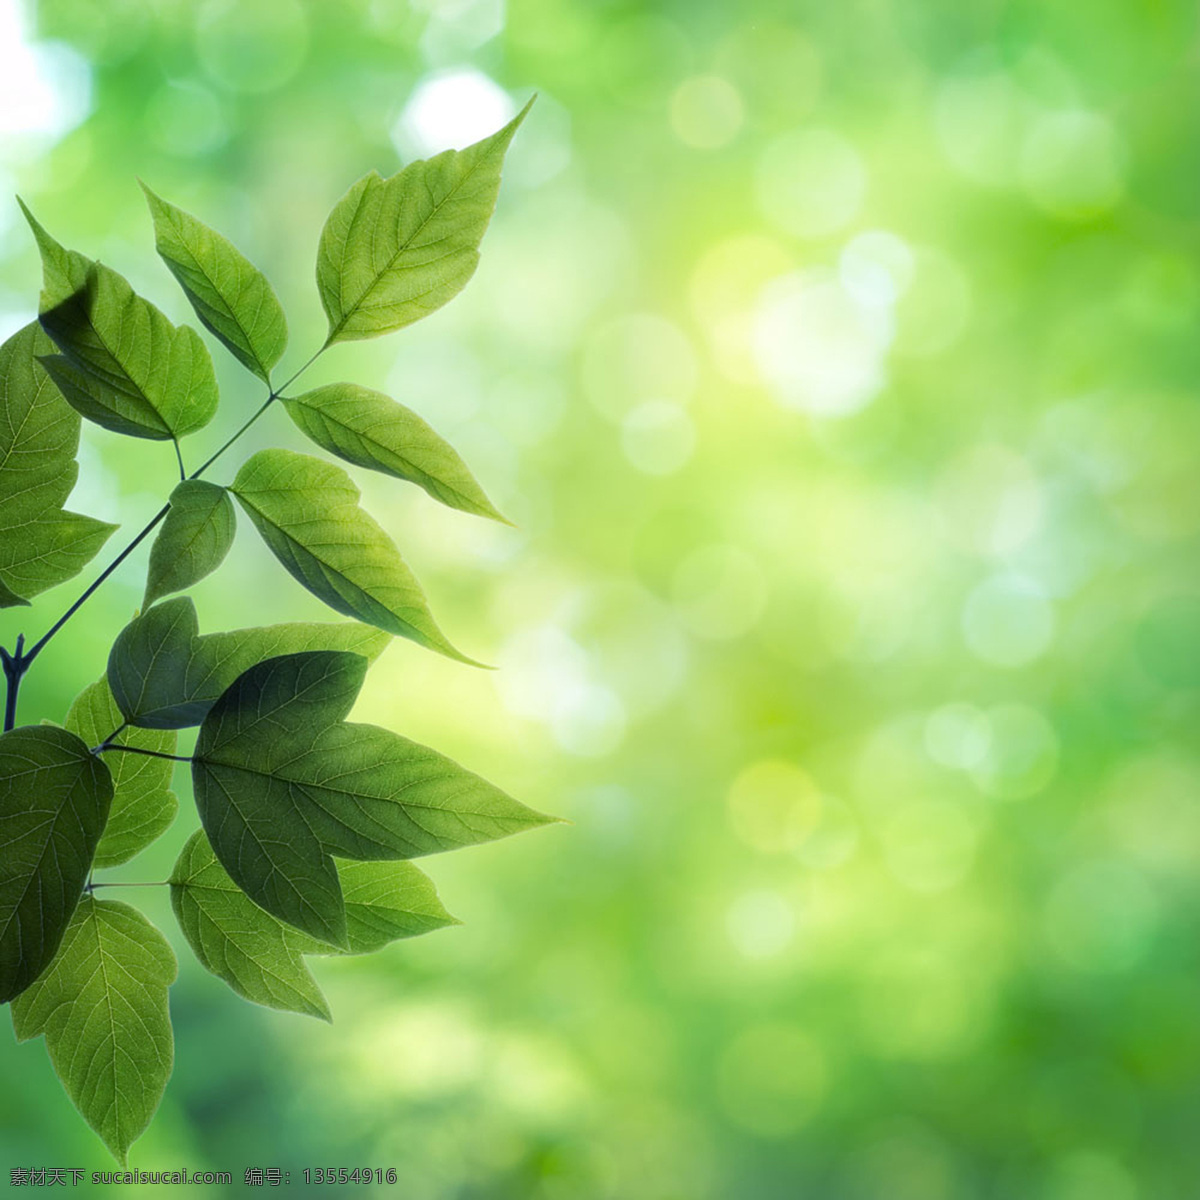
x,y
54,800
195,537
165,677
371,430
143,805
230,295
394,250
258,956
282,783
307,512
126,366
148,664
102,1006
41,544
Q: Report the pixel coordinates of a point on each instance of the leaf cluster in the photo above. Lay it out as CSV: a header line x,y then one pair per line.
x,y
307,822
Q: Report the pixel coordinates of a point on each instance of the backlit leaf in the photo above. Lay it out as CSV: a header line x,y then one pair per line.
x,y
164,676
194,538
308,514
54,799
41,544
371,430
258,956
148,664
386,901
230,295
143,805
123,364
102,1007
394,250
283,783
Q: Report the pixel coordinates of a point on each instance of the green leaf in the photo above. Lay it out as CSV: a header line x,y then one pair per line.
x,y
282,783
230,295
164,676
143,805
258,956
41,544
64,271
123,365
386,901
371,430
307,512
147,667
102,1007
394,250
195,537
54,799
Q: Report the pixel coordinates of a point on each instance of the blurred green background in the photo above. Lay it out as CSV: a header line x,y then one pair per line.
x,y
838,364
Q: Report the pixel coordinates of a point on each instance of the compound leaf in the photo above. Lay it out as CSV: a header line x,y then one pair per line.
x,y
195,537
143,805
41,544
372,430
258,956
283,783
54,800
308,514
231,296
394,250
123,364
102,1007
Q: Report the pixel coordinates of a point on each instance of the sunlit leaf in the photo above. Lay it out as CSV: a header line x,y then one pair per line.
x,y
370,429
394,250
123,364
230,295
148,663
41,544
308,514
282,783
194,538
164,676
54,799
258,956
102,1007
143,805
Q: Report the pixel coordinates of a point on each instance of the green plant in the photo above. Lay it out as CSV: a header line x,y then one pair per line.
x,y
308,821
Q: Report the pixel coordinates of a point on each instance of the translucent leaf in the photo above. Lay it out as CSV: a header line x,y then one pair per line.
x,y
283,783
147,667
164,676
54,799
143,805
371,430
230,295
386,901
195,537
307,512
102,1007
394,250
123,364
41,544
258,956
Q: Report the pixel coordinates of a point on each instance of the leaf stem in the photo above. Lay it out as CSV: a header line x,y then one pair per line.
x,y
12,681
16,664
179,459
158,883
140,750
